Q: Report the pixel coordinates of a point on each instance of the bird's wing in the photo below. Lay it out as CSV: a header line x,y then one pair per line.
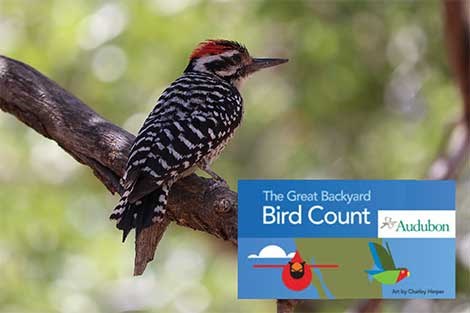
x,y
381,256
392,262
176,135
375,256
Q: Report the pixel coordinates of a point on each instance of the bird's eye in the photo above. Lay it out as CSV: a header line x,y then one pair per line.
x,y
237,58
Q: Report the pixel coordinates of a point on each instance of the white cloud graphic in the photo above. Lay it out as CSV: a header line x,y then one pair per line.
x,y
271,251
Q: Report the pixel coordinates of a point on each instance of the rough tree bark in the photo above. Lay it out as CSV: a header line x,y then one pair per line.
x,y
92,140
47,108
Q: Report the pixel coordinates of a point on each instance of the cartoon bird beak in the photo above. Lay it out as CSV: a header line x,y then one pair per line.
x,y
408,274
260,63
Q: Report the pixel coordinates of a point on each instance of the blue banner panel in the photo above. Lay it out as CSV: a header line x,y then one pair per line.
x,y
332,208
343,239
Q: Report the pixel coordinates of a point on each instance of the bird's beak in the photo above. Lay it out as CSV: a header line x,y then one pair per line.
x,y
260,63
408,274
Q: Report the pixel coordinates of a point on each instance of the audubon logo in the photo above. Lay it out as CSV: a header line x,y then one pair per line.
x,y
418,226
388,222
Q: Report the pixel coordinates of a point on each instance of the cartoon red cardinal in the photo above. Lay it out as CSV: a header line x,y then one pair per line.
x,y
296,274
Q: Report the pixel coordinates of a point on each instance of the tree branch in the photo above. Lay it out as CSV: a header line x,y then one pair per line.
x,y
457,34
457,143
92,140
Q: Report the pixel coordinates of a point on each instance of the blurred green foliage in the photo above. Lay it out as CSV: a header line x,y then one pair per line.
x,y
367,94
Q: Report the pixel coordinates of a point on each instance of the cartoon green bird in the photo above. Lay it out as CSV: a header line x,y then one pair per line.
x,y
386,272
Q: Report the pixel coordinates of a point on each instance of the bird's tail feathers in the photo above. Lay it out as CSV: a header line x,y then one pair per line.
x,y
371,273
142,213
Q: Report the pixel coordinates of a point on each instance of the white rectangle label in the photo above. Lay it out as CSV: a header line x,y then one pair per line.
x,y
416,224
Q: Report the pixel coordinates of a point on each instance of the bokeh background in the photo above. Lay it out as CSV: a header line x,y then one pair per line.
x,y
367,93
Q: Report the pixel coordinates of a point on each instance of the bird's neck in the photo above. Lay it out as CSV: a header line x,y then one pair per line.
x,y
235,84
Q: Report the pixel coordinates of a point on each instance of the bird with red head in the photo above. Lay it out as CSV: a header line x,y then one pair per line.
x,y
193,121
228,60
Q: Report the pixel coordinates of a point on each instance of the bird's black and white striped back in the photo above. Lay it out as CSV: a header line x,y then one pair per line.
x,y
195,116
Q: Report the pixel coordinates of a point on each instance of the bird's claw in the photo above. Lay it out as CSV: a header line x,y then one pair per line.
x,y
219,183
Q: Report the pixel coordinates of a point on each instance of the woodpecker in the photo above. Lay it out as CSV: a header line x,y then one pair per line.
x,y
192,122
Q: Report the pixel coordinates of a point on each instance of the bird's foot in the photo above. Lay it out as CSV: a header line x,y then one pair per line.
x,y
218,183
